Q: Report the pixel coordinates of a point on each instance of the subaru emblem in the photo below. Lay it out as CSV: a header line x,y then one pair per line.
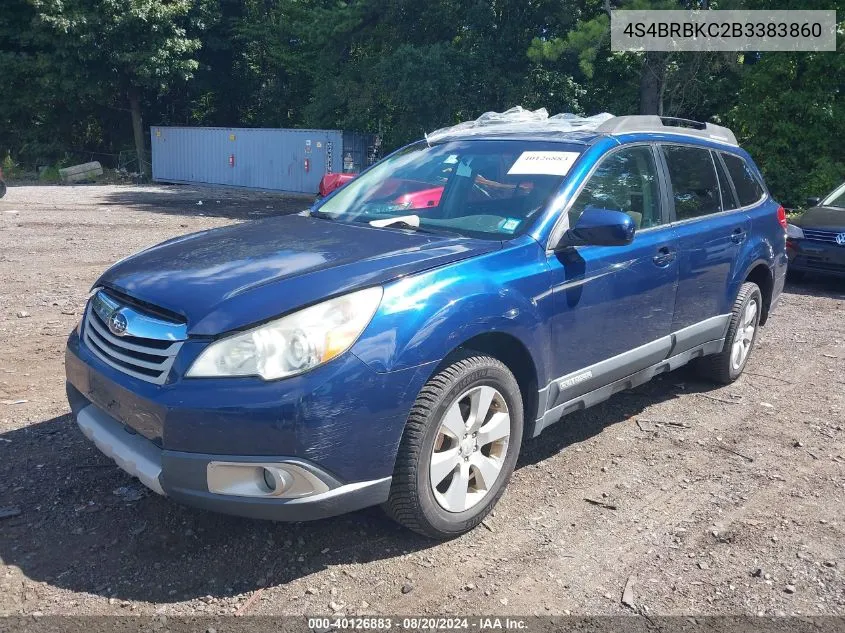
x,y
117,324
840,239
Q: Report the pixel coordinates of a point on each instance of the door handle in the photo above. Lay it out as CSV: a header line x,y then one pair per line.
x,y
738,235
664,257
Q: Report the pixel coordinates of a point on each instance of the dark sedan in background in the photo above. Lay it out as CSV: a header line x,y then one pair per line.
x,y
816,241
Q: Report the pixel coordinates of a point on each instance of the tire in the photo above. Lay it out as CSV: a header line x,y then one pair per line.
x,y
2,188
723,367
441,512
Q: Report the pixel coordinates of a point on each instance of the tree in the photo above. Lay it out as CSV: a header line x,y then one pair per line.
x,y
31,105
790,115
657,74
125,51
404,67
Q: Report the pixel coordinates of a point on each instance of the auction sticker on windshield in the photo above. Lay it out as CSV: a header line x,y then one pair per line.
x,y
544,163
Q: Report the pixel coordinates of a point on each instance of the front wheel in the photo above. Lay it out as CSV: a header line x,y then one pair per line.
x,y
727,365
458,449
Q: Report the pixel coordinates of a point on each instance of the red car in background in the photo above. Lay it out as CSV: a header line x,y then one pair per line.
x,y
416,195
330,182
410,194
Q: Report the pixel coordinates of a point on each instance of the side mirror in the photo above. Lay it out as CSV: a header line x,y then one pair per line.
x,y
813,202
601,227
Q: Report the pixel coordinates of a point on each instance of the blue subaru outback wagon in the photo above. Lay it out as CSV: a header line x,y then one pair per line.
x,y
366,352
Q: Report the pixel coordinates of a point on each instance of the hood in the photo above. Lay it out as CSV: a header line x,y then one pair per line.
x,y
232,277
828,218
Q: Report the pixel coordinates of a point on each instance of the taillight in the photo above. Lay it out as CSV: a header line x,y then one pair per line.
x,y
782,217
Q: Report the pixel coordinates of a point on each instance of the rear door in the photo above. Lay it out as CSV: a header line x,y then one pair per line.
x,y
614,304
710,231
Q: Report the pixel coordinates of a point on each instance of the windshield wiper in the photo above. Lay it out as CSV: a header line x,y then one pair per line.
x,y
410,223
313,213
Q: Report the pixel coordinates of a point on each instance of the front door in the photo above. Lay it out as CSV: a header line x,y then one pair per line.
x,y
614,304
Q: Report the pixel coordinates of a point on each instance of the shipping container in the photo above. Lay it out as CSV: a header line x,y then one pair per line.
x,y
258,158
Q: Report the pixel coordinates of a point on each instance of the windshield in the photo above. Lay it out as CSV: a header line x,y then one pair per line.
x,y
477,188
836,199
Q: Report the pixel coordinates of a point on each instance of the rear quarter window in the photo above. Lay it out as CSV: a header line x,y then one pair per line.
x,y
728,199
748,188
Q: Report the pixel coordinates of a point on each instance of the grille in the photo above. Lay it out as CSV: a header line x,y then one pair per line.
x,y
145,357
821,236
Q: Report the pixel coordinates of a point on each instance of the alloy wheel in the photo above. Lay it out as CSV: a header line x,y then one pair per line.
x,y
470,448
744,336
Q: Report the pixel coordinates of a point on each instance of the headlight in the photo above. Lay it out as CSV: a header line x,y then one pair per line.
x,y
794,231
293,344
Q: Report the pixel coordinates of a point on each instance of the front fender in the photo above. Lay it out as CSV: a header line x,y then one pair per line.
x,y
423,317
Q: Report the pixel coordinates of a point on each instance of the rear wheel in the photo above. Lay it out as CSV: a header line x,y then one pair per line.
x,y
727,365
2,188
459,448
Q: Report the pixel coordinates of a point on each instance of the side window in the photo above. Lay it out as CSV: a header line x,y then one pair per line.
x,y
728,200
624,181
747,186
694,183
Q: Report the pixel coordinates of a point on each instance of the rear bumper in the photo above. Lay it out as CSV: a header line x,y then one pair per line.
x,y
184,476
816,257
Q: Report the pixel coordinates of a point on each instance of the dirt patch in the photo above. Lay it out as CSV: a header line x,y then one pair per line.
x,y
711,501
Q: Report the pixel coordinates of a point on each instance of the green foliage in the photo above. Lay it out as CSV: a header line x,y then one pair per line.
x,y
73,68
10,168
50,174
791,116
122,43
587,40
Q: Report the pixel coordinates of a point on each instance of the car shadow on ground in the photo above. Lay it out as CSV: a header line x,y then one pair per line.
x,y
817,286
87,527
208,201
580,426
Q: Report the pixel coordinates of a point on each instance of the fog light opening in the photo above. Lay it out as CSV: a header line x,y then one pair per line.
x,y
280,480
269,481
277,480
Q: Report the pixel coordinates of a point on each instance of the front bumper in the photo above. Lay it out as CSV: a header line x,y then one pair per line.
x,y
816,257
339,424
185,476
343,417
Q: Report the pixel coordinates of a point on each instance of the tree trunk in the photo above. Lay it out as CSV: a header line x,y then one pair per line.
x,y
138,132
652,79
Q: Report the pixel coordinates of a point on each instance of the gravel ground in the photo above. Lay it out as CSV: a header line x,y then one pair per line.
x,y
715,500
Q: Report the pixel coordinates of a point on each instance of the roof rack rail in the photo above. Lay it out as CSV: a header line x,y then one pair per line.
x,y
654,123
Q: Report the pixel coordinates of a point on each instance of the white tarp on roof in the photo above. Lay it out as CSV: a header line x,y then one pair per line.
x,y
517,120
